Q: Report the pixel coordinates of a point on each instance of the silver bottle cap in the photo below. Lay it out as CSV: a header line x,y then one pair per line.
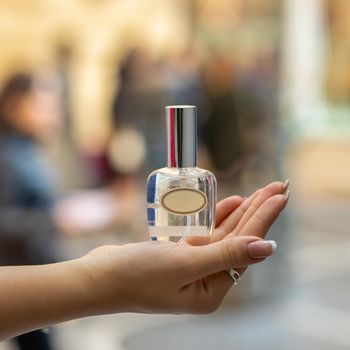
x,y
181,123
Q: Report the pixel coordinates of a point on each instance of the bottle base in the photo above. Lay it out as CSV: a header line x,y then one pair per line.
x,y
174,239
175,233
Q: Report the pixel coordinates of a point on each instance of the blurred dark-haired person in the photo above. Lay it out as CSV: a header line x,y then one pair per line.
x,y
30,113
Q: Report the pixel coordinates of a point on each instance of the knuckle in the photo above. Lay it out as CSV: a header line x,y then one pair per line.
x,y
230,255
261,219
251,206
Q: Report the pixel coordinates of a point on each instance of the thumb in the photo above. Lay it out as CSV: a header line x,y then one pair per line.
x,y
230,253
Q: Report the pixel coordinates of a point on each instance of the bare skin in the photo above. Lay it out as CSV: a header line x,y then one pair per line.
x,y
151,277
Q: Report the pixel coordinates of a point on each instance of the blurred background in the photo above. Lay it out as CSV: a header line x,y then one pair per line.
x,y
84,85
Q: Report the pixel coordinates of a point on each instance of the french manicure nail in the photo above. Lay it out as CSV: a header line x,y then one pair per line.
x,y
286,185
287,194
261,249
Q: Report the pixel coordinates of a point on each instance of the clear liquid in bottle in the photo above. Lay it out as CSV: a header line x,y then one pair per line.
x,y
180,203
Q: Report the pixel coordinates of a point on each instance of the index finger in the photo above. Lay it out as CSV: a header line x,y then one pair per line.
x,y
225,207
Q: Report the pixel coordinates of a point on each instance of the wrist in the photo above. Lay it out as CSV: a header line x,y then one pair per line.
x,y
69,292
102,290
82,292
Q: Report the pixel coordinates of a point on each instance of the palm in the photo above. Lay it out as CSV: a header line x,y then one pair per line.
x,y
236,216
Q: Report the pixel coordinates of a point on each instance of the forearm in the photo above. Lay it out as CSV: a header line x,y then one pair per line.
x,y
32,297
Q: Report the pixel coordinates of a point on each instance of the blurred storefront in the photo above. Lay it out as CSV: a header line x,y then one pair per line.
x,y
86,42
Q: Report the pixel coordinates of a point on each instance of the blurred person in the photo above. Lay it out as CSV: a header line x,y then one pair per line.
x,y
183,84
127,151
139,103
183,81
191,276
30,114
256,101
222,130
136,145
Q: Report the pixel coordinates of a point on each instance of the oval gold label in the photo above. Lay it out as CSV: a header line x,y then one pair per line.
x,y
184,201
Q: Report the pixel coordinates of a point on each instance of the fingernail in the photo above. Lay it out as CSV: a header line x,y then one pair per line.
x,y
287,194
286,185
261,249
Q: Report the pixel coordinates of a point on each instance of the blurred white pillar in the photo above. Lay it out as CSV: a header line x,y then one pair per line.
x,y
303,64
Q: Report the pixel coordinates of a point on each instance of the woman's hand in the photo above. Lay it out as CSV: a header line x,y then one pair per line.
x,y
185,277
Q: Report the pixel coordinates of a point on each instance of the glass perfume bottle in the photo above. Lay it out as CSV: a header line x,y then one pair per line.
x,y
181,197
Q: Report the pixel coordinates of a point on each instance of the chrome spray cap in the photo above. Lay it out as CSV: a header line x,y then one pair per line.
x,y
181,123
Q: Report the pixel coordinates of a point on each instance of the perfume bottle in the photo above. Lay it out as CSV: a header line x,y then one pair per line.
x,y
181,197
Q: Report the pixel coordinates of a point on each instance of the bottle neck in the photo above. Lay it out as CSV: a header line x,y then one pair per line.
x,y
181,138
